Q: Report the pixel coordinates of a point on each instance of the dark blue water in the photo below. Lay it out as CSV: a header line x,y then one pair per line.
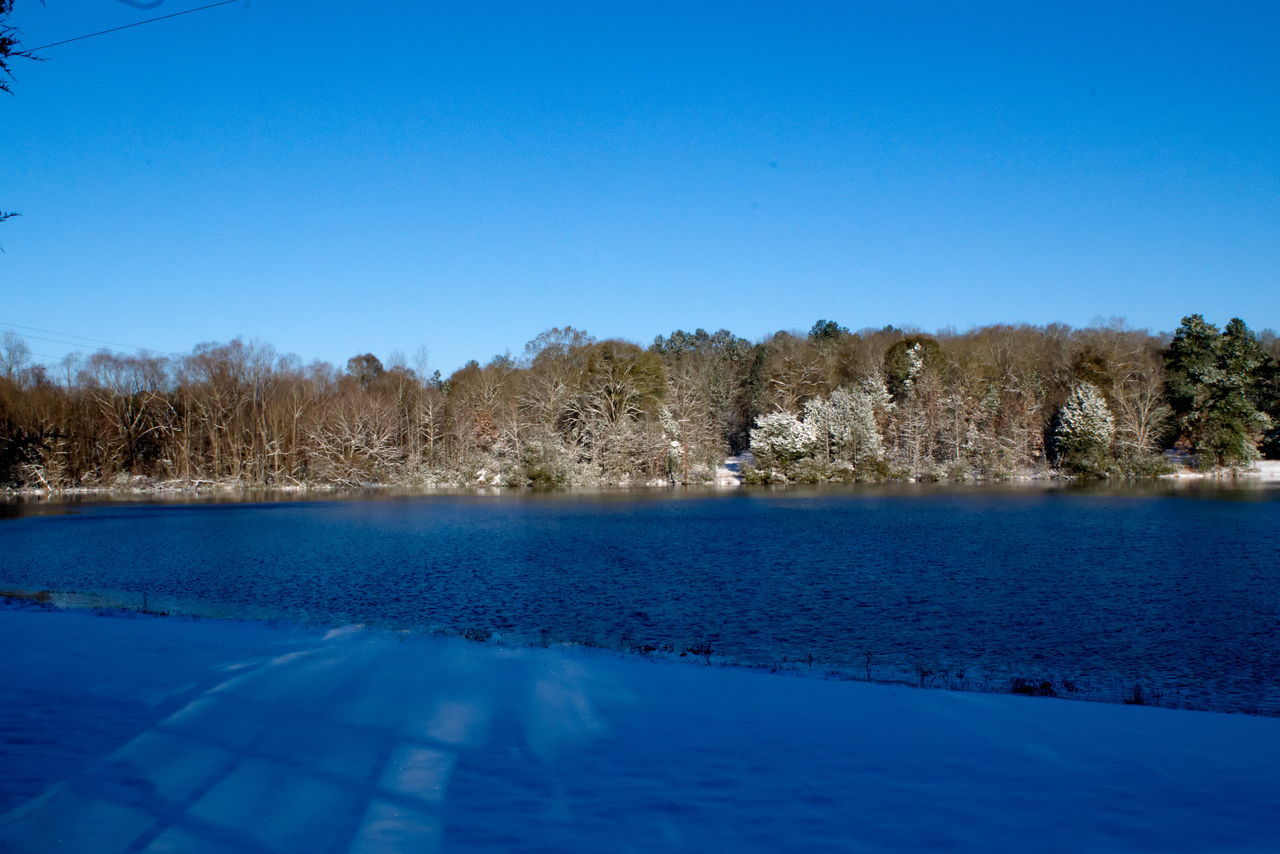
x,y
1094,592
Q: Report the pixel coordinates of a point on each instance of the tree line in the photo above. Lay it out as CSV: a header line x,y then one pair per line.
x,y
831,404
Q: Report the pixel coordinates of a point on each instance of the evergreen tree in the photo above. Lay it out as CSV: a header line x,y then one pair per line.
x,y
1084,430
1192,364
1215,388
827,330
1235,424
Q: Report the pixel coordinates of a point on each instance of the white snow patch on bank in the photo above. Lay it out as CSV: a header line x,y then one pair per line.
x,y
365,741
1259,471
1267,471
729,473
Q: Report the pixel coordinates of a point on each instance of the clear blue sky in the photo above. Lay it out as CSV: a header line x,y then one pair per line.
x,y
336,178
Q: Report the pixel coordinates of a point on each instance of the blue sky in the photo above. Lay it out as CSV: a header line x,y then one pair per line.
x,y
335,178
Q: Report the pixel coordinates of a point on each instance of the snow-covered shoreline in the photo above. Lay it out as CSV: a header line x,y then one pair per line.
x,y
218,736
1262,471
727,476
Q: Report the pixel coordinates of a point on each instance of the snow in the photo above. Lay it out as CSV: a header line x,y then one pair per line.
x,y
729,473
233,736
1268,471
1259,471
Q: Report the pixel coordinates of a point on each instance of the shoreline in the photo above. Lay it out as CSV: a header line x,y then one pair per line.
x,y
1266,471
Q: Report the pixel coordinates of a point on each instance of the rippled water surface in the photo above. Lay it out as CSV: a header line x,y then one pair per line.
x,y
1095,592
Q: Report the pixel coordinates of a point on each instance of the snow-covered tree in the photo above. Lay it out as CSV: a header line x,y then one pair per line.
x,y
1085,429
855,435
781,437
915,362
671,435
874,387
841,428
818,418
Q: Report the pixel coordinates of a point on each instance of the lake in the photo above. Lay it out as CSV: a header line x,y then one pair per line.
x,y
1170,593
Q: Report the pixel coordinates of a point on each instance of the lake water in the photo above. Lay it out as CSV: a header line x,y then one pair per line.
x,y
1176,591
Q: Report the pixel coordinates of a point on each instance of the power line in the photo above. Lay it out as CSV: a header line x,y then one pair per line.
x,y
130,26
31,352
29,336
69,335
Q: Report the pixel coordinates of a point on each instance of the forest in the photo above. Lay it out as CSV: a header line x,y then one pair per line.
x,y
828,405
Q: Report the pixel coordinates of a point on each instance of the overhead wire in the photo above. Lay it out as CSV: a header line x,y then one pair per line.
x,y
129,26
28,335
31,352
85,338
74,348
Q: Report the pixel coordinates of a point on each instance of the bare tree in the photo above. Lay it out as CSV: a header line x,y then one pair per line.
x,y
15,355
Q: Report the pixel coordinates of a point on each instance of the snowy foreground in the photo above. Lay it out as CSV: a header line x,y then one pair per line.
x,y
154,734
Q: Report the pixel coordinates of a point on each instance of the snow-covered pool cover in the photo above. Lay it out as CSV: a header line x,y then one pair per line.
x,y
271,740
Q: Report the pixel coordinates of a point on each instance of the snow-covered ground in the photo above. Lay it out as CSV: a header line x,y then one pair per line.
x,y
729,473
1266,470
158,734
